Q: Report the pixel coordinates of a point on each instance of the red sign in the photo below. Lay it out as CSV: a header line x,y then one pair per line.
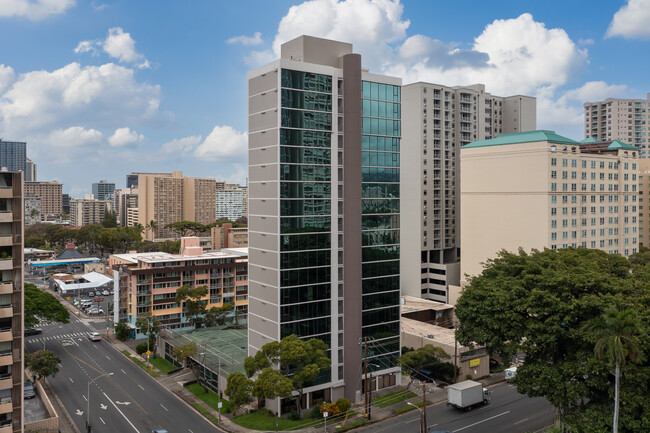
x,y
99,299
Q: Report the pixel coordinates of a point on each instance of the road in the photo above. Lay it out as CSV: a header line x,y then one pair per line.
x,y
123,398
507,412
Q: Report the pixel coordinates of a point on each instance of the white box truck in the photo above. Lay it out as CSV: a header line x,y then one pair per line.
x,y
465,395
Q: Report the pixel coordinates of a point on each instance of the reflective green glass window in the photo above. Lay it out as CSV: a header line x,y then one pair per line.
x,y
305,190
304,207
378,269
388,252
305,155
370,206
306,81
304,311
379,237
380,221
306,327
380,159
306,100
295,242
305,224
379,174
380,316
305,172
380,300
294,295
293,137
296,277
380,284
380,190
306,119
305,259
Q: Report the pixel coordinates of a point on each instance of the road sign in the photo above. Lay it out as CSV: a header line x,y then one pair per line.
x,y
220,405
148,352
99,299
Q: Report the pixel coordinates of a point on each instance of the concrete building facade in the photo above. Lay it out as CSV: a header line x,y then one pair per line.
x,y
229,204
125,202
148,281
644,202
33,210
51,195
30,171
324,143
540,190
228,237
169,198
627,120
12,301
85,211
438,120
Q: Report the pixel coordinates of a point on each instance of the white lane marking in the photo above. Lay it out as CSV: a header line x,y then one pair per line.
x,y
479,422
100,418
123,371
190,431
161,405
79,412
108,357
416,419
141,387
519,422
71,380
121,413
84,397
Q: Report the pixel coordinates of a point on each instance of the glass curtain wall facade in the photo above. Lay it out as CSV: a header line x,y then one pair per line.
x,y
305,205
380,147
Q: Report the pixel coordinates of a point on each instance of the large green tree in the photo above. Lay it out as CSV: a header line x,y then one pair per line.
x,y
187,228
617,340
42,305
298,360
43,363
539,304
239,389
428,357
191,299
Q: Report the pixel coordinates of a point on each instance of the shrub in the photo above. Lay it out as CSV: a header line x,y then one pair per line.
x,y
331,408
141,348
295,416
343,404
122,331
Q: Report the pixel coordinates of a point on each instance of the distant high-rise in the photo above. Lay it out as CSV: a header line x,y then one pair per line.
x,y
324,143
51,198
169,197
65,203
229,203
437,121
125,203
84,211
104,190
620,119
30,171
13,156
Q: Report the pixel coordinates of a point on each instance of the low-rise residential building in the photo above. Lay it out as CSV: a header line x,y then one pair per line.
x,y
227,236
538,189
148,281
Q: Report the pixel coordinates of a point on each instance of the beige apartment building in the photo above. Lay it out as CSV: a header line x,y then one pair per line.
x,y
438,120
51,194
168,198
644,202
84,211
12,300
228,237
540,190
620,119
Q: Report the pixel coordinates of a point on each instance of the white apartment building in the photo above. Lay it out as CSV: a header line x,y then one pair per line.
x,y
540,190
229,203
437,121
620,119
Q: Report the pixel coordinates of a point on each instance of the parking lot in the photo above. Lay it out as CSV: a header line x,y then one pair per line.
x,y
101,303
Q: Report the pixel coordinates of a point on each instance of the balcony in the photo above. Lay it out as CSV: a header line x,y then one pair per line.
x,y
5,381
6,216
6,264
6,334
5,407
6,310
6,192
5,357
6,287
5,426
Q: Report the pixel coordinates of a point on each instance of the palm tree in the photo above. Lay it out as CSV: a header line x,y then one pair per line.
x,y
153,226
616,335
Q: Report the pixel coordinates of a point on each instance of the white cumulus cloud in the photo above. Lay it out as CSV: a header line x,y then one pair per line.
x,y
631,21
223,144
596,91
74,136
34,9
124,137
184,144
7,77
120,45
86,47
256,39
96,96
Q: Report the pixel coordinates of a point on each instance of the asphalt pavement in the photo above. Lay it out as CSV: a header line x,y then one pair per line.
x,y
123,397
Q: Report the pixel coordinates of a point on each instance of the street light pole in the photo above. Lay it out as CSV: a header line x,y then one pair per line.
x,y
421,415
88,399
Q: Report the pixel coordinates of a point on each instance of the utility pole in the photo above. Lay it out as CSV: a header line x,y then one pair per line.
x,y
424,406
370,397
455,353
365,355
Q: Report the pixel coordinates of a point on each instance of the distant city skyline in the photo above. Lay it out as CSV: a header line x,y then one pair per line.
x,y
108,88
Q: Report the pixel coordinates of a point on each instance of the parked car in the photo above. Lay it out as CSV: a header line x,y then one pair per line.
x,y
98,293
105,292
159,430
96,311
95,336
91,294
33,331
30,392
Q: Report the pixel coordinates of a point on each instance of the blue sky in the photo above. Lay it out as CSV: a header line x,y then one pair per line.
x,y
102,88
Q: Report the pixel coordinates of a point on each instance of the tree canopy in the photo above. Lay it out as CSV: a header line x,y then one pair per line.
x,y
43,363
430,358
42,305
298,360
539,304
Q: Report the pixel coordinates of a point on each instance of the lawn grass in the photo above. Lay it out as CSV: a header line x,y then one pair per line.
x,y
407,408
351,425
162,364
205,413
144,366
392,398
265,420
210,398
